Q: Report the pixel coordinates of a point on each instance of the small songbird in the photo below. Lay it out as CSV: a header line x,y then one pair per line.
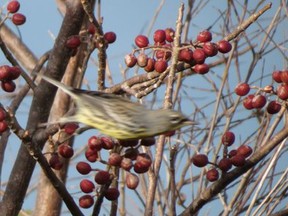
x,y
117,116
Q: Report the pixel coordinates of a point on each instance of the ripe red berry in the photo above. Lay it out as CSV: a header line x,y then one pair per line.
x,y
86,201
224,46
144,160
232,153
55,162
14,72
200,160
110,37
18,19
70,127
212,175
130,60
276,75
112,194
201,68
13,6
282,91
5,72
3,126
199,56
210,49
131,153
91,28
65,151
160,66
83,168
73,42
126,164
132,181
141,41
185,55
284,76
2,114
142,60
225,164
259,101
228,138
159,36
138,168
273,107
242,89
95,143
247,102
169,32
238,160
87,186
91,155
102,177
150,65
114,159
244,150
163,54
107,143
8,86
204,36
128,143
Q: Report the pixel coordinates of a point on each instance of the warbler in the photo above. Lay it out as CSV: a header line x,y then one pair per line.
x,y
117,116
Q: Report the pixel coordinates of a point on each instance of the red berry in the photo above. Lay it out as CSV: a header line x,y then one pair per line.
x,y
73,42
200,160
83,168
55,162
159,36
5,72
282,91
91,28
144,160
244,151
232,153
3,126
131,153
128,143
91,155
201,68
18,19
112,194
140,169
13,6
8,86
185,55
224,46
169,32
142,60
130,60
199,56
276,75
141,41
65,151
87,186
2,114
238,160
150,65
163,54
247,102
210,49
212,175
242,89
110,37
114,159
228,138
102,177
204,36
273,107
86,201
95,143
259,101
107,143
132,181
225,164
148,141
70,127
126,164
160,66
14,72
284,76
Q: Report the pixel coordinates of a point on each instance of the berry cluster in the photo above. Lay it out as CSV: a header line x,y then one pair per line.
x,y
258,100
7,75
16,18
3,123
193,53
126,158
74,41
236,157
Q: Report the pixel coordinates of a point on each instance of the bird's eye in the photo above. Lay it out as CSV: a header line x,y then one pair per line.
x,y
174,119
